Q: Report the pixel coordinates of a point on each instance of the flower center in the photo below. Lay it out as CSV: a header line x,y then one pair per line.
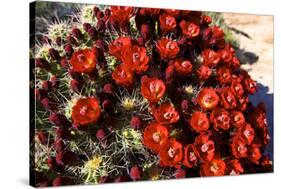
x,y
192,156
241,148
184,64
81,58
171,152
169,21
153,87
170,45
136,57
204,147
236,118
156,137
214,168
168,115
247,133
83,110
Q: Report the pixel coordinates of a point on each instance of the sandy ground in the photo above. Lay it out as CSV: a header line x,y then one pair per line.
x,y
257,53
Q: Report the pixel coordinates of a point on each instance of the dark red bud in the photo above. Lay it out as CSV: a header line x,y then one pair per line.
x,y
135,173
77,33
59,145
75,85
42,63
86,26
62,181
136,122
68,50
108,88
100,134
54,54
180,173
59,120
42,137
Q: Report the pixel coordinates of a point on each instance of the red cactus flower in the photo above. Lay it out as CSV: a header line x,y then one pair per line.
x,y
254,154
155,136
171,153
228,100
247,133
189,29
216,167
234,167
250,85
205,147
238,147
117,47
237,118
203,72
122,76
167,22
166,114
190,156
237,88
152,88
122,14
220,119
208,98
135,59
167,48
84,61
199,122
223,75
210,57
183,67
86,110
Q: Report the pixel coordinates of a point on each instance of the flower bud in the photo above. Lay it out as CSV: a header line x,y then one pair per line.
x,y
47,86
100,134
86,26
66,158
77,33
59,145
75,85
59,41
54,54
135,173
48,105
136,122
42,63
180,173
108,88
59,120
96,10
68,50
93,32
42,137
61,181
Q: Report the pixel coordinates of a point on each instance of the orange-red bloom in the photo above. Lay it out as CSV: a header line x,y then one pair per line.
x,y
208,98
228,100
152,88
84,61
199,122
166,114
167,22
135,59
155,136
237,118
117,47
190,156
167,48
189,29
210,57
220,119
121,14
216,167
238,147
122,76
86,110
183,67
205,147
171,153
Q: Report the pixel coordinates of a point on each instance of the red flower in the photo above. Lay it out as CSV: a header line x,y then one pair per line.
x,y
203,72
250,85
167,48
171,153
189,29
190,156
135,59
117,47
86,110
205,147
199,122
247,133
234,167
223,75
149,11
216,167
210,57
122,76
180,173
167,22
166,114
152,88
217,38
238,147
237,88
183,67
237,118
84,61
254,154
220,119
121,14
208,98
155,136
228,100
